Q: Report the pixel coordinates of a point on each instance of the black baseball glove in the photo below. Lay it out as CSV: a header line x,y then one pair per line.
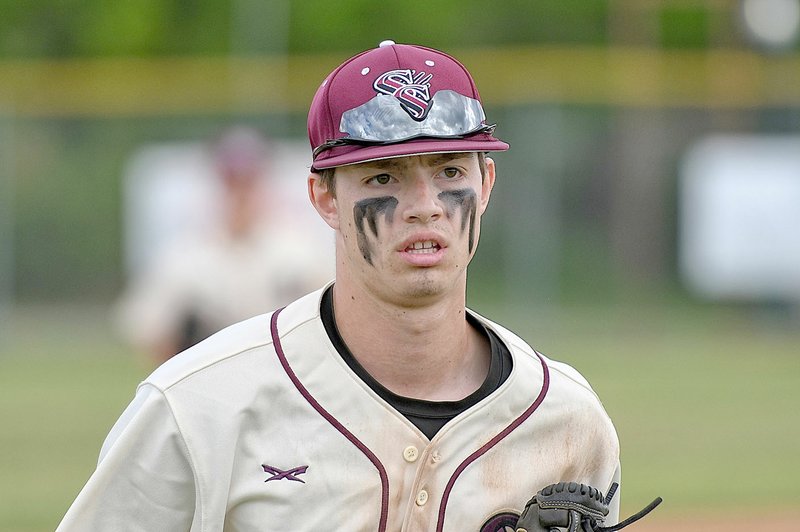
x,y
573,507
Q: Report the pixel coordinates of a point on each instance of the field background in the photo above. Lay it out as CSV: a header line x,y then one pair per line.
x,y
705,402
581,251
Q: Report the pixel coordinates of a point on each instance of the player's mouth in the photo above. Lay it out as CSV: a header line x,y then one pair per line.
x,y
423,247
423,250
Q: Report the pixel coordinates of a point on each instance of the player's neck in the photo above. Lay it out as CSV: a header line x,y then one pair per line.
x,y
428,352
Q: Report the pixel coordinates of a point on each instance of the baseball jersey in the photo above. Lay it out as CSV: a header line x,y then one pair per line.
x,y
264,427
216,279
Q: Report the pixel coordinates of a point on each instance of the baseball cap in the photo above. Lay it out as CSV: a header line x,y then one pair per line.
x,y
240,152
397,100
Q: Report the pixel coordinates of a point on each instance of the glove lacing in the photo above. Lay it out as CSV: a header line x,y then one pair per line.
x,y
590,525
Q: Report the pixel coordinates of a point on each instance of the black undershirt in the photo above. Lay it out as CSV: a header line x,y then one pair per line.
x,y
428,416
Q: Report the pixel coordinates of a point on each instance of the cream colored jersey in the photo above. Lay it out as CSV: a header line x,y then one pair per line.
x,y
220,279
264,427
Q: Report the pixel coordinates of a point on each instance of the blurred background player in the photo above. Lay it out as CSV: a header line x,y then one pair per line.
x,y
242,262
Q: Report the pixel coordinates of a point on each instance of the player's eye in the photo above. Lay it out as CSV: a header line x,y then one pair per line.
x,y
380,179
451,172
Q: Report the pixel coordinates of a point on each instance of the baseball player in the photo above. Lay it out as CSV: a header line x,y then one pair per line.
x,y
246,260
378,402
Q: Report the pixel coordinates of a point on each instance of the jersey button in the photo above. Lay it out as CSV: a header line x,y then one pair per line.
x,y
422,498
410,454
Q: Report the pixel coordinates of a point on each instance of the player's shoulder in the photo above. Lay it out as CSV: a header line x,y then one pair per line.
x,y
568,372
562,374
222,347
231,350
567,382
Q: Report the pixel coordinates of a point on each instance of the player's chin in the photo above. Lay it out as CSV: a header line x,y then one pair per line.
x,y
419,297
427,284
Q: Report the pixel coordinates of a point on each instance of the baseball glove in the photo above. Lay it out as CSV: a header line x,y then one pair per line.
x,y
573,507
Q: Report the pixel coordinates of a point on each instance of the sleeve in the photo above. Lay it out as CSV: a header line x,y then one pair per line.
x,y
144,479
151,309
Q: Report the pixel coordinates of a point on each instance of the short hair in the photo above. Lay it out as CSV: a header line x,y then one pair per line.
x,y
327,176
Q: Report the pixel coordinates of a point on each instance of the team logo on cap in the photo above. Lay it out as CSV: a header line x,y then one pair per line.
x,y
412,88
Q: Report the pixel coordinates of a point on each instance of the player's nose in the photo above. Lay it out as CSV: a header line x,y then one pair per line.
x,y
422,201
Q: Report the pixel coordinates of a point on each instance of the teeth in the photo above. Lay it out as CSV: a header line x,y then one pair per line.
x,y
426,247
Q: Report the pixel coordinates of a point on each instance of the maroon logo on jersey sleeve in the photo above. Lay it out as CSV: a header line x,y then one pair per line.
x,y
289,474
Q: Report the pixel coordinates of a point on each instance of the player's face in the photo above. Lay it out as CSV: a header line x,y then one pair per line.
x,y
407,227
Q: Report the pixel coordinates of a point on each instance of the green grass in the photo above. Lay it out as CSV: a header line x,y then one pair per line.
x,y
63,383
705,402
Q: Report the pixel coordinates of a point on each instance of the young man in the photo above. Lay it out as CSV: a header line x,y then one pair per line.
x,y
378,402
242,261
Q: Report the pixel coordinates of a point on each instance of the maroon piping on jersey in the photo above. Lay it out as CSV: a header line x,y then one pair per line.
x,y
332,420
491,443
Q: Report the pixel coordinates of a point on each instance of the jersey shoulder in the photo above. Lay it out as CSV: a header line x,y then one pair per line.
x,y
227,346
572,375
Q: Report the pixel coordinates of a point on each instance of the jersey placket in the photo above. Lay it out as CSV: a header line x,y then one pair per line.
x,y
422,497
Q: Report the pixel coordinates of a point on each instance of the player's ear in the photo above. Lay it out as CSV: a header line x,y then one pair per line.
x,y
323,199
487,184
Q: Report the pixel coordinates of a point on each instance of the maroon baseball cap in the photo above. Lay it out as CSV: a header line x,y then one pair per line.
x,y
393,101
